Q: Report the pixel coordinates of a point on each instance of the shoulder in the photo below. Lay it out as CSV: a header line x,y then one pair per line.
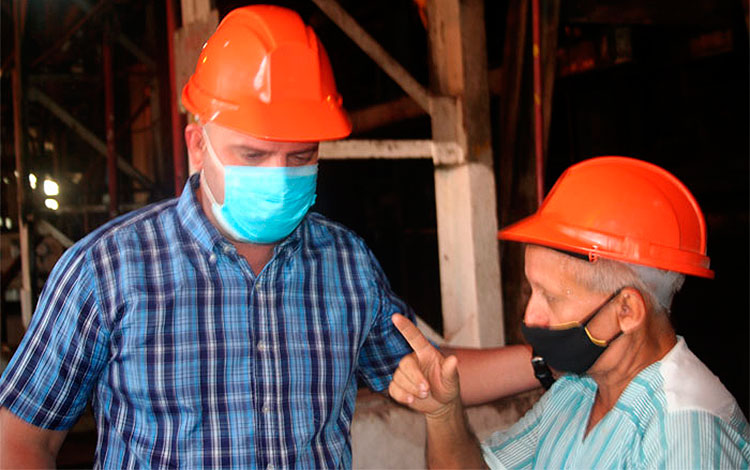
x,y
690,386
104,243
696,421
321,231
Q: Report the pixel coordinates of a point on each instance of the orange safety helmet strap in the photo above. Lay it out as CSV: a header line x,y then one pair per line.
x,y
265,73
622,209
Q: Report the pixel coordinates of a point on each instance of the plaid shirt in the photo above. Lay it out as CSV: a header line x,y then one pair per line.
x,y
192,360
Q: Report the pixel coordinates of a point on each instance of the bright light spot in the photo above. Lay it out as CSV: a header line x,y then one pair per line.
x,y
32,180
49,146
51,204
51,188
6,180
8,223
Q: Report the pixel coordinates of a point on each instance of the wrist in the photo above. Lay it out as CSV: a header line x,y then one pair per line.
x,y
450,412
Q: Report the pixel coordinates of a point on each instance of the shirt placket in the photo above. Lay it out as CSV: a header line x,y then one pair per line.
x,y
268,443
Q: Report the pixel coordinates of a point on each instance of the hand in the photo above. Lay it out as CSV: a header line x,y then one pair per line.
x,y
425,380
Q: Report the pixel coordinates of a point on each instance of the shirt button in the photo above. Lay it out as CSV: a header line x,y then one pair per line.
x,y
227,249
212,258
270,467
261,346
266,409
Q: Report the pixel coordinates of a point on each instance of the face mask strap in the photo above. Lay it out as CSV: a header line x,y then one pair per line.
x,y
210,150
600,342
598,309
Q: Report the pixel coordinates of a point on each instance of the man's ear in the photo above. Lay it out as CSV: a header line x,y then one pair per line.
x,y
195,146
632,310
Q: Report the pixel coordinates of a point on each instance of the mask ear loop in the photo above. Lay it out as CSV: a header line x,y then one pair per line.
x,y
597,341
212,153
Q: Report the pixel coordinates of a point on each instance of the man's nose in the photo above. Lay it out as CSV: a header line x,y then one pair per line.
x,y
535,314
274,159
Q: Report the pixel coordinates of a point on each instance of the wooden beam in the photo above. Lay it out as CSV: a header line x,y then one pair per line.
x,y
465,193
510,95
43,227
550,23
24,235
194,10
403,108
375,51
441,153
38,96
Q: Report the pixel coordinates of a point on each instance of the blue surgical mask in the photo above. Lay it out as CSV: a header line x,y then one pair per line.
x,y
262,204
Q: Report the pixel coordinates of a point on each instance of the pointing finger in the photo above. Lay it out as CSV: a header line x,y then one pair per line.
x,y
413,336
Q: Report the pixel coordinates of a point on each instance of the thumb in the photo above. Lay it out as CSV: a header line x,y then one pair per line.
x,y
449,373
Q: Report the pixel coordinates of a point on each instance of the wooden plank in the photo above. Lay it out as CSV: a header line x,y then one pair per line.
x,y
36,95
383,114
24,234
194,10
513,58
550,23
188,43
375,51
465,193
442,153
43,227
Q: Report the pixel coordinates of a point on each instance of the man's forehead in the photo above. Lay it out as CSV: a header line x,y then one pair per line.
x,y
239,139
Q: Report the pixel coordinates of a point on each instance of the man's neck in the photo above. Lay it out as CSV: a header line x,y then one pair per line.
x,y
645,348
256,255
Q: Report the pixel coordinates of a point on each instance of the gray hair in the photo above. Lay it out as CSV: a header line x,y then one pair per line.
x,y
606,276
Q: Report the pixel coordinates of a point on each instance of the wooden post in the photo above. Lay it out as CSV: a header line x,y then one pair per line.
x,y
24,234
109,113
465,192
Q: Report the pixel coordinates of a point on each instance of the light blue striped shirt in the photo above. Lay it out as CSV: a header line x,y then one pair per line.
x,y
673,414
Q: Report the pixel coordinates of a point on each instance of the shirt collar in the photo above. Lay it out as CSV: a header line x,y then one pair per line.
x,y
195,221
193,218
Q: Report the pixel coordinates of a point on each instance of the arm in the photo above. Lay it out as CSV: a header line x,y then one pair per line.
x,y
450,441
428,382
23,445
490,374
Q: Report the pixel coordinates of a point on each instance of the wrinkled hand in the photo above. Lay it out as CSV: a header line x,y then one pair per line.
x,y
425,380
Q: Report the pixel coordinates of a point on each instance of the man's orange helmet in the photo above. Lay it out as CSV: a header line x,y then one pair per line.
x,y
623,209
266,74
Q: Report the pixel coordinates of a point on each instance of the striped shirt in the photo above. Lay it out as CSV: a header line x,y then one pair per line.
x,y
674,414
193,361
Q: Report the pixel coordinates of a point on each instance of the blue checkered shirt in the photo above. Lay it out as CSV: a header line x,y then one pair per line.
x,y
193,361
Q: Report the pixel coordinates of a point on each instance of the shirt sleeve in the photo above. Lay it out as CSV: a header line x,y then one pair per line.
x,y
515,447
697,439
384,346
50,377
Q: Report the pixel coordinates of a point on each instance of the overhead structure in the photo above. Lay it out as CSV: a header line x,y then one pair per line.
x,y
464,182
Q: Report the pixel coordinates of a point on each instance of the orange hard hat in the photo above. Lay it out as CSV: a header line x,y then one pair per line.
x,y
266,74
623,209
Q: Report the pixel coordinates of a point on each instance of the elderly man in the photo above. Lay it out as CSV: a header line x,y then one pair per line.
x,y
605,254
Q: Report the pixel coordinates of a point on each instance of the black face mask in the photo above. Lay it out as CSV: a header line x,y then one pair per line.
x,y
570,349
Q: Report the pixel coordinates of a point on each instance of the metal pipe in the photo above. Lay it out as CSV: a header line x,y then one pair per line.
x,y
109,110
538,116
180,171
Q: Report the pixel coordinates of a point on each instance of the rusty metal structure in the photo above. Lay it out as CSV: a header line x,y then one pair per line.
x,y
482,103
